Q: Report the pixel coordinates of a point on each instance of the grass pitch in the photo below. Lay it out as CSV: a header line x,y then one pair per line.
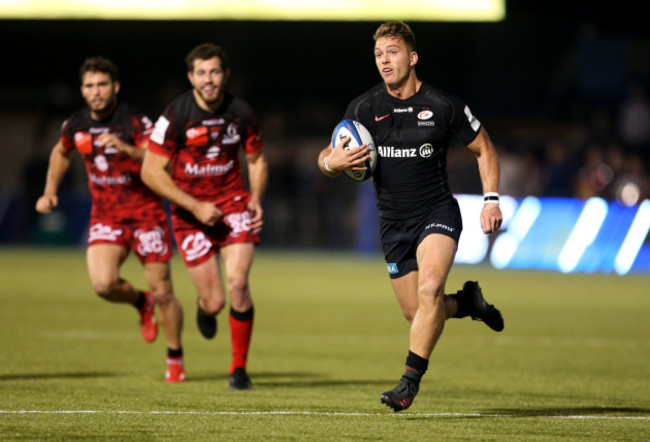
x,y
573,362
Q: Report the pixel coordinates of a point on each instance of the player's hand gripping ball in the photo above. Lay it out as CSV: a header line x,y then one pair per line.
x,y
359,136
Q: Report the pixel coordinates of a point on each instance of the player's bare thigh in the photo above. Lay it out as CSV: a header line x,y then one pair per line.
x,y
104,261
435,257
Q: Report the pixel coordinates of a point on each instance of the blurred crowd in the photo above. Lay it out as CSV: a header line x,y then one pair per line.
x,y
606,156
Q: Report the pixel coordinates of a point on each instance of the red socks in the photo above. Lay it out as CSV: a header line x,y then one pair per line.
x,y
241,329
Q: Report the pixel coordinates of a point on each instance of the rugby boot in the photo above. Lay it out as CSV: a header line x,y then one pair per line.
x,y
239,380
207,323
148,323
175,370
480,310
401,397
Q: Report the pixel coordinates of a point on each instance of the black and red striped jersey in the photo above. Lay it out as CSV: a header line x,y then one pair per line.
x,y
113,176
204,147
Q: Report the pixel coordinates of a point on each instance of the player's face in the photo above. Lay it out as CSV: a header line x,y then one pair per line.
x,y
208,80
100,92
394,60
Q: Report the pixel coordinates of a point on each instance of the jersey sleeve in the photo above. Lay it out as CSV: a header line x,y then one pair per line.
x,y
462,122
253,137
141,129
163,140
67,137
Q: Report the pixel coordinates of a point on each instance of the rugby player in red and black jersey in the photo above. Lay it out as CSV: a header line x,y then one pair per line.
x,y
126,215
412,125
200,135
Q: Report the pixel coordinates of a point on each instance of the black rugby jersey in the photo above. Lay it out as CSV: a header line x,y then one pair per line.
x,y
412,138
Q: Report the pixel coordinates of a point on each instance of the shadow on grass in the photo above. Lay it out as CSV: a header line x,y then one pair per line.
x,y
40,376
567,411
288,380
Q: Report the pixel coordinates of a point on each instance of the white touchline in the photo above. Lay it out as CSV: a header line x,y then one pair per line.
x,y
318,413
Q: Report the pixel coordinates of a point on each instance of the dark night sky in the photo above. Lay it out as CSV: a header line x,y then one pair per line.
x,y
531,65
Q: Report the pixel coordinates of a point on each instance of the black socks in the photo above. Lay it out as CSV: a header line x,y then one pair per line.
x,y
139,303
416,366
463,308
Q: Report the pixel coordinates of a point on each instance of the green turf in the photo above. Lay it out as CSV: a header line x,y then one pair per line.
x,y
573,362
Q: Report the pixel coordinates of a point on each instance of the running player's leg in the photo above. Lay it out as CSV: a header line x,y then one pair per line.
x,y
104,262
238,259
435,256
171,316
406,292
169,308
206,277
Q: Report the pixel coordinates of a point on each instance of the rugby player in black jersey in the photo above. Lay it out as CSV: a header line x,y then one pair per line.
x,y
412,125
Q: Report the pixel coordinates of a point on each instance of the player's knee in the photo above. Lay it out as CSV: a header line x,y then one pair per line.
x,y
237,287
105,287
162,295
213,305
431,290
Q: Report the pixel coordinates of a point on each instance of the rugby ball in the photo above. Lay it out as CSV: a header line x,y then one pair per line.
x,y
359,136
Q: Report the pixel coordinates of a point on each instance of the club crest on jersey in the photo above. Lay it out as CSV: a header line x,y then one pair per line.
x,y
232,135
424,118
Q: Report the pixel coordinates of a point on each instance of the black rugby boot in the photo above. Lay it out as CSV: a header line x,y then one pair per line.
x,y
479,309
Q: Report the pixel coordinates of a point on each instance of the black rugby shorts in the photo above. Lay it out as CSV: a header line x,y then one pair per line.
x,y
401,238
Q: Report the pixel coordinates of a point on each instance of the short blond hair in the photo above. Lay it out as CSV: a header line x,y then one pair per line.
x,y
396,29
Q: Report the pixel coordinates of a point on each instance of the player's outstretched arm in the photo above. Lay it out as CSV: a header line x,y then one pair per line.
x,y
59,164
488,167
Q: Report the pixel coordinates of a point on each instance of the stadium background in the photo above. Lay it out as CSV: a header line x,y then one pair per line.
x,y
552,83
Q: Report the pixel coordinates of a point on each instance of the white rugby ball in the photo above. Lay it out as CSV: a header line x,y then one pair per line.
x,y
359,136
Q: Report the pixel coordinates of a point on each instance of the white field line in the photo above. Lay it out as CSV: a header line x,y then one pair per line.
x,y
317,413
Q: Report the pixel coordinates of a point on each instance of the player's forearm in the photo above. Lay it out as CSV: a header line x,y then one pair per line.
x,y
135,152
488,164
58,166
162,184
258,174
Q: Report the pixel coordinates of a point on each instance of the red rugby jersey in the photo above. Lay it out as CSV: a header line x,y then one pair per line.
x,y
204,147
113,176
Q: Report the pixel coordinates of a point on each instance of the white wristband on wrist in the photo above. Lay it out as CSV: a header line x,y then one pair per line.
x,y
491,197
326,166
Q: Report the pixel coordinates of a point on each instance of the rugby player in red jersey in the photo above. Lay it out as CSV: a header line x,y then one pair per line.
x,y
200,136
126,215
